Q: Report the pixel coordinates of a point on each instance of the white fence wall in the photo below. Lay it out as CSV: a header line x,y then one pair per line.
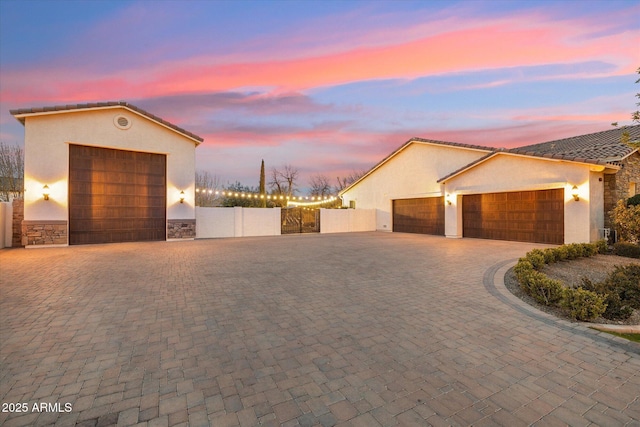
x,y
347,220
236,222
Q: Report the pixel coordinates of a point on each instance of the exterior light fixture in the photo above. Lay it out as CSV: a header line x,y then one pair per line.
x,y
448,198
575,193
45,192
182,197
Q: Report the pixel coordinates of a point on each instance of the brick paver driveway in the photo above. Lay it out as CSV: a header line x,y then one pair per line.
x,y
366,329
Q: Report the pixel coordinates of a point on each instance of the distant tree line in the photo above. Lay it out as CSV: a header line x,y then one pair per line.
x,y
283,184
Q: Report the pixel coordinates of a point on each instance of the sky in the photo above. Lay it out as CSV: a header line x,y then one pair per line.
x,y
328,87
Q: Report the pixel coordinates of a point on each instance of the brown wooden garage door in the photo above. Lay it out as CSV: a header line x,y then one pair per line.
x,y
523,216
424,215
116,195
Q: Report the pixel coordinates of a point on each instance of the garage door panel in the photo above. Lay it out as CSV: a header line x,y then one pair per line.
x,y
529,216
420,215
110,198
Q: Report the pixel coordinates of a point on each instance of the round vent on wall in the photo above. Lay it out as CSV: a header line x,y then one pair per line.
x,y
122,122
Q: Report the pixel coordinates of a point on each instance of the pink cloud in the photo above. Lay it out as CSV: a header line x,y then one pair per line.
x,y
507,43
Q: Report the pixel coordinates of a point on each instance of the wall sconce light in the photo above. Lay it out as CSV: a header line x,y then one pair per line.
x,y
182,197
448,199
45,192
575,193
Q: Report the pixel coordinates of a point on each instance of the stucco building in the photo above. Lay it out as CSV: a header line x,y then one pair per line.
x,y
555,192
105,172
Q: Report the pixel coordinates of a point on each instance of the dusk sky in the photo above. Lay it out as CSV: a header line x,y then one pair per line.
x,y
328,87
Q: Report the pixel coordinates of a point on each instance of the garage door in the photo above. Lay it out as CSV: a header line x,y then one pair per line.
x,y
424,215
116,195
523,216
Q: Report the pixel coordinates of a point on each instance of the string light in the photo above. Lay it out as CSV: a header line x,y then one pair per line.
x,y
292,200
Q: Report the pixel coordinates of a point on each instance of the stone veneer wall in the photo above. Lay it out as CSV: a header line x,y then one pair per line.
x,y
16,226
616,186
36,233
181,229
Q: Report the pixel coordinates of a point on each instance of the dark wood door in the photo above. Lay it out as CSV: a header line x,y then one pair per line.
x,y
116,195
423,215
523,216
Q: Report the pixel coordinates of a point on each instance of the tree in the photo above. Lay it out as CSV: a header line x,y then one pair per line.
x,y
11,172
283,181
635,118
320,186
348,180
244,196
626,218
206,187
263,195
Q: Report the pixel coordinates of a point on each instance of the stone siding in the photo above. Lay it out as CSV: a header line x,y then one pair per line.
x,y
181,229
16,225
37,233
616,186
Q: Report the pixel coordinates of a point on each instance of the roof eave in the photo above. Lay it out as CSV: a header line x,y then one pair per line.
x,y
22,114
415,140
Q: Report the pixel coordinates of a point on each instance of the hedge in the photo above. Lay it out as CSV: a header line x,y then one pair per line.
x,y
582,304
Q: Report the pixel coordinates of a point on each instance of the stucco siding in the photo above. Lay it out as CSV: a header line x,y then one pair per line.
x,y
411,173
47,139
505,173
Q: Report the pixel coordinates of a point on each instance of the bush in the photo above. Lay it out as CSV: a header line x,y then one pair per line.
x,y
574,250
536,258
627,221
550,256
583,304
602,246
616,310
545,290
589,249
626,249
626,282
621,291
523,269
562,253
633,200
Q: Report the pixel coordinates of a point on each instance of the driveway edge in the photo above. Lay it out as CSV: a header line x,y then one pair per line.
x,y
493,281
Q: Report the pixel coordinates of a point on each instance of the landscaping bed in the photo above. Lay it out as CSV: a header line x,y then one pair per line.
x,y
595,268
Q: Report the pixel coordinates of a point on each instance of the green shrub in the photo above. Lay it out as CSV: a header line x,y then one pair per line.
x,y
583,304
633,200
589,249
522,268
574,250
550,255
545,290
536,258
562,253
626,282
627,221
626,249
621,291
602,246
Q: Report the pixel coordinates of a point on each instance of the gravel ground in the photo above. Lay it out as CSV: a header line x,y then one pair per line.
x,y
594,268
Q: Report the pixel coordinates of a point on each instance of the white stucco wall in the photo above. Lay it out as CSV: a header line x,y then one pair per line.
x,y
505,172
237,222
347,220
47,139
413,172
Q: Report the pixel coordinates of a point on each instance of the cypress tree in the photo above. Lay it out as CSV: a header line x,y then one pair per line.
x,y
263,196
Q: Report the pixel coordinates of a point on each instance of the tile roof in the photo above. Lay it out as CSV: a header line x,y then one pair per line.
x,y
600,147
95,105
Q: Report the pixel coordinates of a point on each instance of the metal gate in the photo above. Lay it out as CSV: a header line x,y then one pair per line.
x,y
300,220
